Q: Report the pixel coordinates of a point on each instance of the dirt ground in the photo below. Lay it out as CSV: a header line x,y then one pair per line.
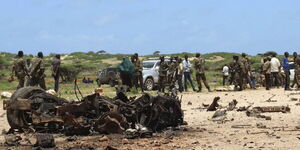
x,y
239,132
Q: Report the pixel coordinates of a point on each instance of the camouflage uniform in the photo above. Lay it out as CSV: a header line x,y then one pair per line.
x,y
200,73
267,72
297,72
246,74
240,72
37,76
173,66
20,71
163,70
138,74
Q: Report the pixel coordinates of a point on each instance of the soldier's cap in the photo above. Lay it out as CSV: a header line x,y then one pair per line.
x,y
136,54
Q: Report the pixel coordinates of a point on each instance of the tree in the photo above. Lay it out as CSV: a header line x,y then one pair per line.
x,y
156,53
270,53
101,52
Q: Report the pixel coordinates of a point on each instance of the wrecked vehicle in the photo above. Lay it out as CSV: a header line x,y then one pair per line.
x,y
31,109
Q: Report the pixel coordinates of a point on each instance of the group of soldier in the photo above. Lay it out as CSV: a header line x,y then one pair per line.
x,y
172,71
34,71
271,70
273,73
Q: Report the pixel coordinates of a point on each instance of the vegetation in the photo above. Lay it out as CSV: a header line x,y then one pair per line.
x,y
81,64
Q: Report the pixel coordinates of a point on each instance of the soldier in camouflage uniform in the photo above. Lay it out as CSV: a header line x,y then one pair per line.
x,y
266,69
37,76
297,70
240,70
19,69
163,70
172,72
138,72
247,66
200,72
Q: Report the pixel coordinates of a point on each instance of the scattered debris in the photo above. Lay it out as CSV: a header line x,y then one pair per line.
x,y
104,139
190,103
260,125
43,112
294,99
45,141
12,140
219,115
5,94
283,109
51,91
71,138
214,105
232,105
241,126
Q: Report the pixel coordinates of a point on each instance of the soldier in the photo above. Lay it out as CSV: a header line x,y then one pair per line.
x,y
200,72
172,72
286,68
56,71
138,72
295,55
37,76
247,66
163,70
240,70
266,69
19,69
297,70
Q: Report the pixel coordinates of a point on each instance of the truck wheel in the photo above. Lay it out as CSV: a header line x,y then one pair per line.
x,y
18,119
149,84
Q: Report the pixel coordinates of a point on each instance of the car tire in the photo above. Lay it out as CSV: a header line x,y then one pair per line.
x,y
149,84
17,119
111,83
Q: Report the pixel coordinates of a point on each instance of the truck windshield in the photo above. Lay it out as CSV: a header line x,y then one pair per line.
x,y
148,65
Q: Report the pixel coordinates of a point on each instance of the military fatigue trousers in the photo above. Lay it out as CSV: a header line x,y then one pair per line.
x,y
202,77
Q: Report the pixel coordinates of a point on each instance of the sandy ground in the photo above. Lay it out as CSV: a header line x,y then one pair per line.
x,y
203,133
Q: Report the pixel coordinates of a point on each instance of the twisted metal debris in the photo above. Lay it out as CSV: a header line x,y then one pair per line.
x,y
31,109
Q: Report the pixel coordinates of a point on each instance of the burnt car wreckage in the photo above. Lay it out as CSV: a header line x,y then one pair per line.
x,y
31,109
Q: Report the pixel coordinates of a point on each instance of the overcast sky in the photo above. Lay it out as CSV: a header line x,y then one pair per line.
x,y
144,26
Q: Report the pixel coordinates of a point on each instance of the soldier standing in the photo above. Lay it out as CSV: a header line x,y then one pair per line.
x,y
19,69
295,55
200,72
138,72
239,72
267,72
247,73
297,70
163,70
172,72
56,71
37,76
286,68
